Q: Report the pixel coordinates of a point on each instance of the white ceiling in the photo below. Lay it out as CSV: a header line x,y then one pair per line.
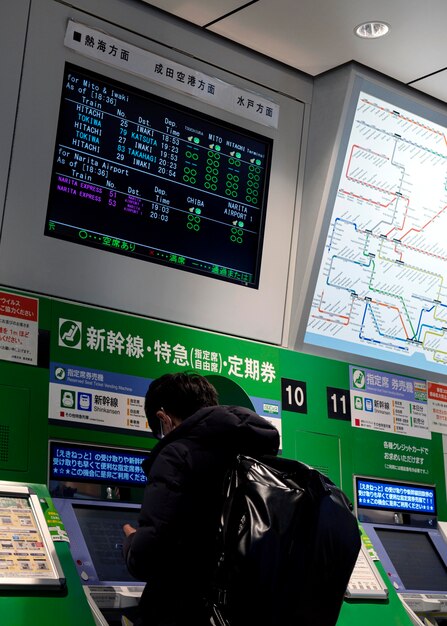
x,y
316,35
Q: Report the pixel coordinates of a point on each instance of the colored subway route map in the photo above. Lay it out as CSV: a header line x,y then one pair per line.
x,y
381,289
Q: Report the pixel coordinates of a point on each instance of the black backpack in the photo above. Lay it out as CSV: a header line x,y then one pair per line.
x,y
288,542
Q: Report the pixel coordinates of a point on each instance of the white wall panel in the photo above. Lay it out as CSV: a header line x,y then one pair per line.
x,y
30,260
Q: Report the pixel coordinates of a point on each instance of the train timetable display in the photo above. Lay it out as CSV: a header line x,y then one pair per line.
x,y
381,289
137,175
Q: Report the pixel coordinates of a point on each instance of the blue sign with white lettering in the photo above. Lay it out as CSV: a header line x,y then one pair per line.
x,y
408,498
84,463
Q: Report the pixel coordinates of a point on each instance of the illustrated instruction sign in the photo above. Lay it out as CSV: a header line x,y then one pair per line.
x,y
388,402
101,398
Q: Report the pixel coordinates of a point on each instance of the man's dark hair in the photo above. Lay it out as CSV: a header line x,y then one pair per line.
x,y
180,395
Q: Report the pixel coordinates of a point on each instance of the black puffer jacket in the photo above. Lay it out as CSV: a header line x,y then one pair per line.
x,y
173,549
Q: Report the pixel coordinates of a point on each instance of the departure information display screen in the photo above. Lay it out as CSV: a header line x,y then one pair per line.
x,y
140,176
375,494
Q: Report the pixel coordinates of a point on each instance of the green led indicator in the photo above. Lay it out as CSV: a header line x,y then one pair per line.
x,y
217,148
193,222
258,162
196,140
238,155
198,211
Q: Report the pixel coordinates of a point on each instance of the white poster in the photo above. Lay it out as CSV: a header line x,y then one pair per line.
x,y
18,328
102,47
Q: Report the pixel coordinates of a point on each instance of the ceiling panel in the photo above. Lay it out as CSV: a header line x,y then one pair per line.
x,y
198,12
434,85
317,35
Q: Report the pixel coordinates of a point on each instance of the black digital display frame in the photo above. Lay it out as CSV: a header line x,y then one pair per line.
x,y
95,529
102,531
377,494
405,548
140,176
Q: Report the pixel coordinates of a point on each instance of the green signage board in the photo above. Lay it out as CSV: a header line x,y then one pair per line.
x,y
102,361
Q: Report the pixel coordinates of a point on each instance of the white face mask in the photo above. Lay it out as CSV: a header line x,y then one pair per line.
x,y
163,426
162,433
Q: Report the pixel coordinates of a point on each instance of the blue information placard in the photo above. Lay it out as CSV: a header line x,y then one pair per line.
x,y
395,496
96,464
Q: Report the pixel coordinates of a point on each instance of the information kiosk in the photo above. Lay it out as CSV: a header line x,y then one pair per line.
x,y
401,521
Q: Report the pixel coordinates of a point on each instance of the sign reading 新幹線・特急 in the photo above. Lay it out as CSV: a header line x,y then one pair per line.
x,y
102,362
388,402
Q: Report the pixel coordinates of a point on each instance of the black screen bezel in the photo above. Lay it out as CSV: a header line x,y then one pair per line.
x,y
194,115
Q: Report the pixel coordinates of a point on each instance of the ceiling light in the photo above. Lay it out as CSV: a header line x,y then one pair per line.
x,y
371,30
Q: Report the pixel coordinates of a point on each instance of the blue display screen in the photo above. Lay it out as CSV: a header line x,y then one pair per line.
x,y
384,495
95,464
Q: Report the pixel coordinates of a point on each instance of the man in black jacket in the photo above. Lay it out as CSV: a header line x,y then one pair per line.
x,y
174,547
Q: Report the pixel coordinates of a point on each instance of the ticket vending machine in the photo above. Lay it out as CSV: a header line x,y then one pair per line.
x,y
400,519
37,577
96,538
97,490
28,559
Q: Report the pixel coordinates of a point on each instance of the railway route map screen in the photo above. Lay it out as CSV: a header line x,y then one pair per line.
x,y
381,288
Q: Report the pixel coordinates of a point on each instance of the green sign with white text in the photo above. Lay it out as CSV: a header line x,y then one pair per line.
x,y
102,361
